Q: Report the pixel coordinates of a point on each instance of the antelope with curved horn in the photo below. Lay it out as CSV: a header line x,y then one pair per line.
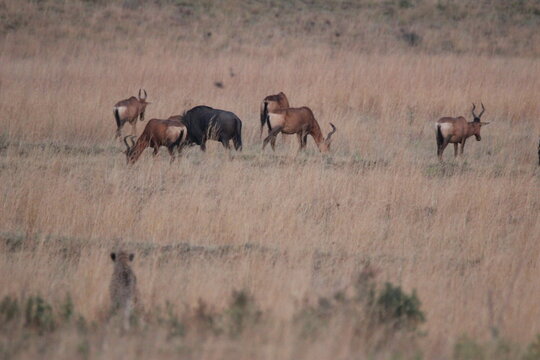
x,y
170,133
271,103
455,131
299,121
129,110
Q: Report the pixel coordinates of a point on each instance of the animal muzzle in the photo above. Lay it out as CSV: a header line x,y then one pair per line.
x,y
478,137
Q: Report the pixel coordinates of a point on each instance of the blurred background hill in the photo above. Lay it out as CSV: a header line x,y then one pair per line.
x,y
496,27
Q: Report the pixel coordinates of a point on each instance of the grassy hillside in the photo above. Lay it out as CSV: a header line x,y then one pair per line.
x,y
271,255
490,27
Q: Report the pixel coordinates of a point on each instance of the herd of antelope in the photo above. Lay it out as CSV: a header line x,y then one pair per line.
x,y
202,123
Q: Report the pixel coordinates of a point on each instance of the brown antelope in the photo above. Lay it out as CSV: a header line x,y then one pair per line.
x,y
129,110
457,130
270,104
170,133
299,121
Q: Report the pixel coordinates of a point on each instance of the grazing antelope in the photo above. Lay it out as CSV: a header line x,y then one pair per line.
x,y
129,110
457,130
270,104
170,133
123,286
205,123
299,121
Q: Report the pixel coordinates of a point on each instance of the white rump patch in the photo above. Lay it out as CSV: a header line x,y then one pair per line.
x,y
276,120
122,110
446,129
173,132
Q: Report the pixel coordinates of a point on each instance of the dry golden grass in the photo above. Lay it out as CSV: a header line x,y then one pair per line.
x,y
286,228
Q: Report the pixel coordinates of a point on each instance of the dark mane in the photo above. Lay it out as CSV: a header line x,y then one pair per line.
x,y
206,123
190,115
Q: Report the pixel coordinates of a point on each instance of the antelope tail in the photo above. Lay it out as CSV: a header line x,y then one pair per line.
x,y
440,138
264,116
117,117
183,136
238,135
538,153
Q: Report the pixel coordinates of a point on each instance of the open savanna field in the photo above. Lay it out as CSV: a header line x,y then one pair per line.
x,y
261,255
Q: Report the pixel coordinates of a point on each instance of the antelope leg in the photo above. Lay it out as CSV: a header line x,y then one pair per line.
x,y
271,135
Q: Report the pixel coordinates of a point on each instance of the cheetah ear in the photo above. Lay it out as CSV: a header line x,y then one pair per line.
x,y
131,257
113,256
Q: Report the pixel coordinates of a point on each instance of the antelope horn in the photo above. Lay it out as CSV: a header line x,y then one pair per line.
x,y
130,137
330,133
473,107
483,109
125,142
140,97
145,95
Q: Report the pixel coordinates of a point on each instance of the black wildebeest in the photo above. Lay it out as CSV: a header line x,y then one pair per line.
x,y
205,123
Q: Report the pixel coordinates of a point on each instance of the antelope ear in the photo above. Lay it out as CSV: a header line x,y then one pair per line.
x,y
131,257
113,256
484,123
